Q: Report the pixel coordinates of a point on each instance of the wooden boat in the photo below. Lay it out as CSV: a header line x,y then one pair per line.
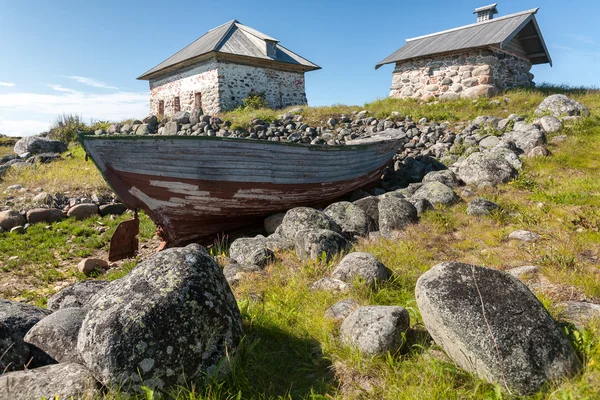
x,y
195,187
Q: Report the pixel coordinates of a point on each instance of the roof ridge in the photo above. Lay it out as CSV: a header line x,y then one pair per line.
x,y
233,21
531,11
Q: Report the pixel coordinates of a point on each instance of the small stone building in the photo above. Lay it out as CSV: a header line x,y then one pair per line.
x,y
470,61
221,68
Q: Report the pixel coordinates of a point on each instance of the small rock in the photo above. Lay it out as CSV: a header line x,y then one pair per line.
x,y
524,236
421,205
525,272
363,266
330,284
317,244
559,139
272,222
446,177
83,211
579,313
48,215
90,265
112,209
538,151
375,329
436,193
253,251
551,124
340,310
43,199
481,206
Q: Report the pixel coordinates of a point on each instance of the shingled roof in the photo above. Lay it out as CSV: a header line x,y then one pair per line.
x,y
231,38
496,32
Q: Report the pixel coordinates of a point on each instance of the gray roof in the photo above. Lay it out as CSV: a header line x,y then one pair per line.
x,y
230,38
496,32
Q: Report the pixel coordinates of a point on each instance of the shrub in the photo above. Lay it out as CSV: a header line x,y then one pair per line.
x,y
255,101
66,127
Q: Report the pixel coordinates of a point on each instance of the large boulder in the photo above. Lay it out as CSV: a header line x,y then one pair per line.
x,y
370,205
75,295
302,218
526,140
57,334
181,117
37,145
272,222
560,105
57,382
315,244
15,320
172,319
9,219
396,214
445,176
361,265
253,251
490,324
436,193
351,218
485,170
375,329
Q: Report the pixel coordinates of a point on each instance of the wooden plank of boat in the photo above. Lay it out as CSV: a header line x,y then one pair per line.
x,y
195,187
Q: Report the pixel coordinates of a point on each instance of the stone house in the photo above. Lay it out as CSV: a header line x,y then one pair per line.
x,y
221,68
472,60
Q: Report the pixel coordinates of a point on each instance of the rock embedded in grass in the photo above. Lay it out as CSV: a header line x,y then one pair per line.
x,y
112,209
486,170
59,381
524,236
57,334
9,219
176,319
254,251
302,218
560,105
330,285
319,244
83,211
340,310
490,324
48,215
480,207
360,265
551,124
579,313
375,329
436,193
88,266
396,214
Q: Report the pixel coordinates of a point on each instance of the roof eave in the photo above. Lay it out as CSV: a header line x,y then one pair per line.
x,y
531,18
190,61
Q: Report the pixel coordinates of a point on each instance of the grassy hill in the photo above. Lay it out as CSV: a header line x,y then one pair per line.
x,y
290,349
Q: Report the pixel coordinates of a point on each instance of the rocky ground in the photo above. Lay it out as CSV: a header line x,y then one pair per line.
x,y
358,272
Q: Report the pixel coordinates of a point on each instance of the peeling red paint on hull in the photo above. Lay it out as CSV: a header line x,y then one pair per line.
x,y
193,203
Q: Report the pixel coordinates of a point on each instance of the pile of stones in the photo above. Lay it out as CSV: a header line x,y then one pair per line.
x,y
31,150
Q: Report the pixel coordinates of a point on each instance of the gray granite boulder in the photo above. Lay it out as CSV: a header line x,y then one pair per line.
x,y
172,319
396,214
75,295
316,244
375,329
15,321
352,219
560,105
363,266
481,206
272,222
57,334
57,382
436,193
370,205
490,324
234,272
37,145
421,205
524,236
302,218
483,170
181,117
507,151
551,124
526,140
445,176
9,219
251,251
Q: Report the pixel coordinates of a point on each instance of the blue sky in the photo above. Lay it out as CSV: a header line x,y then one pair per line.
x,y
83,56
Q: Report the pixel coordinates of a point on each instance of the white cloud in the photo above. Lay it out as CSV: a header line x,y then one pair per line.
x,y
91,82
39,110
23,127
62,89
7,84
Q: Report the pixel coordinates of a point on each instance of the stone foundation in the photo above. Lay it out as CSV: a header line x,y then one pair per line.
x,y
223,86
466,74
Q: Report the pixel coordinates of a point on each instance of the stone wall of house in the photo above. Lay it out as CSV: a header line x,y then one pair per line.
x,y
467,74
282,88
202,78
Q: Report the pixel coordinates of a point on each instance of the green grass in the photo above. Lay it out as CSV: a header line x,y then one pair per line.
x,y
291,351
5,149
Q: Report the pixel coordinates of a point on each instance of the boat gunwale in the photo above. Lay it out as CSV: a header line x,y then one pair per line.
x,y
314,147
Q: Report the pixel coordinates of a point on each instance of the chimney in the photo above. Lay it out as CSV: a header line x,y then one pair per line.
x,y
486,13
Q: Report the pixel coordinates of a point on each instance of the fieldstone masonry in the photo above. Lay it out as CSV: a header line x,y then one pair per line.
x,y
465,74
222,86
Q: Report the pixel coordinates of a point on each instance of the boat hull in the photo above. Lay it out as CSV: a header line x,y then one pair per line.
x,y
196,189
